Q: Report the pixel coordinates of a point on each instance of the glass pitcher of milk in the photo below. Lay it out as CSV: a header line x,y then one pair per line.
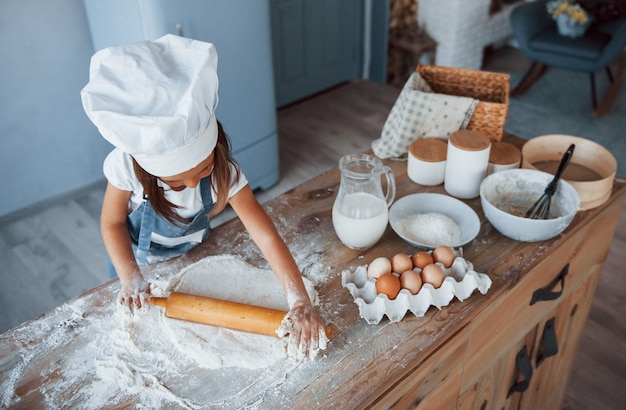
x,y
361,209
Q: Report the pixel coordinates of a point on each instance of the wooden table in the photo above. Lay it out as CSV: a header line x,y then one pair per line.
x,y
463,355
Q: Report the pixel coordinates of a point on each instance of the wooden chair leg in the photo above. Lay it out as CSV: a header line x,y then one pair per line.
x,y
609,73
529,78
594,99
613,90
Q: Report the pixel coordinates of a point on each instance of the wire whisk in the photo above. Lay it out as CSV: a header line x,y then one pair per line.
x,y
541,208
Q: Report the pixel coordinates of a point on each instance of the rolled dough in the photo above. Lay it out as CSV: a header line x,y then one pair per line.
x,y
227,277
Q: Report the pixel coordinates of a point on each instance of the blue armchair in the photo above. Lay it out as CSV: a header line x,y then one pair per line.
x,y
538,39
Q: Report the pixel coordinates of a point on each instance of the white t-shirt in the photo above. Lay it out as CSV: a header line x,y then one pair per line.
x,y
118,169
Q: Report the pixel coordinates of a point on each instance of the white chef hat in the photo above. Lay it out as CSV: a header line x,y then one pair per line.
x,y
156,101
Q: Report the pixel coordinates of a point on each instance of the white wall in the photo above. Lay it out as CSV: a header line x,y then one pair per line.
x,y
462,29
48,146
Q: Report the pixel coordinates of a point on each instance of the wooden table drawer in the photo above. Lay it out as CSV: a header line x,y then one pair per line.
x,y
511,316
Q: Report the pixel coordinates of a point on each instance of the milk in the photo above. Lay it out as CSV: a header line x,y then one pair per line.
x,y
360,220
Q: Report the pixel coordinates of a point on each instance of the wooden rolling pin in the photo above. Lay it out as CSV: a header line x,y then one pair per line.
x,y
216,312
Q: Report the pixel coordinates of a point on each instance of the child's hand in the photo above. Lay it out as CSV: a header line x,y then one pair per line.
x,y
135,293
307,335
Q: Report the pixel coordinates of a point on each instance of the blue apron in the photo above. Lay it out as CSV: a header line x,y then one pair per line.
x,y
144,221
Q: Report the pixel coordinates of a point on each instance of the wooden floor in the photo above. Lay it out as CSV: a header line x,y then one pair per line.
x,y
54,252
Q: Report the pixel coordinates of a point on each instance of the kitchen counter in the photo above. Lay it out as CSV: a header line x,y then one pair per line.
x,y
462,355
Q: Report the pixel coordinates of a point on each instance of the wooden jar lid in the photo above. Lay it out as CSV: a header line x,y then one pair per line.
x,y
429,149
503,153
468,140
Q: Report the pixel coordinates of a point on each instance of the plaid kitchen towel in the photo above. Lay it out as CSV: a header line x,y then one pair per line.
x,y
420,113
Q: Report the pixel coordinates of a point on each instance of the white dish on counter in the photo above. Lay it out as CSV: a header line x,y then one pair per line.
x,y
505,196
462,214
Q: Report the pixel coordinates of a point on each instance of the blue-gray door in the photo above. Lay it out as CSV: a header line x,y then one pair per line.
x,y
316,44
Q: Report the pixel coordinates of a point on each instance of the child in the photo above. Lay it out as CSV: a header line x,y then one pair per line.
x,y
172,169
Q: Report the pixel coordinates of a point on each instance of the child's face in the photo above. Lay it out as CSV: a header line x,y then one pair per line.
x,y
191,178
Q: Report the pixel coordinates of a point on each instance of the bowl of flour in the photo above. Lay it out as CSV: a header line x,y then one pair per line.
x,y
428,220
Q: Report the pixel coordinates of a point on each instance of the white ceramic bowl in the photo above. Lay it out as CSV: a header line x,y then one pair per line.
x,y
458,211
505,196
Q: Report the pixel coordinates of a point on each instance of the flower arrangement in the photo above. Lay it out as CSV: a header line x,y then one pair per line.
x,y
567,8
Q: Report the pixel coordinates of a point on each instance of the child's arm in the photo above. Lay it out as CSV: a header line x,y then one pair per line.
x,y
135,291
308,327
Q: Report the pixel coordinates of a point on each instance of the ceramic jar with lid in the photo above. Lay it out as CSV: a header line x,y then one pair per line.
x,y
503,156
427,161
466,164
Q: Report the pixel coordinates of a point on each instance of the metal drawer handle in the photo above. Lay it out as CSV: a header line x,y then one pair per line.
x,y
549,345
544,295
522,362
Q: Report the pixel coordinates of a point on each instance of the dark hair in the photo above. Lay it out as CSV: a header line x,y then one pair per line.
x,y
220,181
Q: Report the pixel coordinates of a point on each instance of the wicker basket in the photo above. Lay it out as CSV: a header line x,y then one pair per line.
x,y
491,89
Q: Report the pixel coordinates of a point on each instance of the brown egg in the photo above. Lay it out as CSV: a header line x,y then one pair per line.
x,y
378,266
444,255
389,284
401,262
421,259
411,281
433,274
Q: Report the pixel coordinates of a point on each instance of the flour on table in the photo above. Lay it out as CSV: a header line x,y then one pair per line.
x,y
159,361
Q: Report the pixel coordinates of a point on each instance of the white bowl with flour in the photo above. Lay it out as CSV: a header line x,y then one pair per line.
x,y
428,220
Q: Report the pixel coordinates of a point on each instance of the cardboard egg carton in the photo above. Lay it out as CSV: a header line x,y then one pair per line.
x,y
460,280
